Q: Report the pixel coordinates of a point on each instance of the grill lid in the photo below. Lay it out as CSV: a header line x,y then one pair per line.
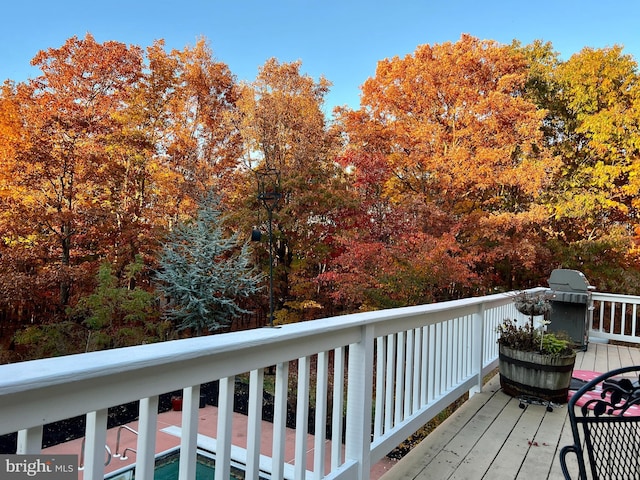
x,y
565,280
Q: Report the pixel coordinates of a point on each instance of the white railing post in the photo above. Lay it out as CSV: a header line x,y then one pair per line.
x,y
478,348
225,425
359,393
438,359
320,433
189,440
254,423
302,417
389,381
146,446
601,316
447,354
408,375
379,409
338,402
279,420
30,441
96,440
427,364
400,371
417,356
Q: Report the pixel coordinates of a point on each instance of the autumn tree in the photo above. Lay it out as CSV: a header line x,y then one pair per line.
x,y
197,144
18,259
464,149
283,127
597,108
59,172
593,114
101,154
176,142
380,257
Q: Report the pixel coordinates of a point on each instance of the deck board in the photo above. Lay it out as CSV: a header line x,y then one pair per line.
x,y
490,437
484,454
519,444
545,445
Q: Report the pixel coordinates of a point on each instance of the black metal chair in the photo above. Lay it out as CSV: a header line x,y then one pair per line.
x,y
606,427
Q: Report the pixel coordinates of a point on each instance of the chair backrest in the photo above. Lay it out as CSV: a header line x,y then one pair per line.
x,y
606,426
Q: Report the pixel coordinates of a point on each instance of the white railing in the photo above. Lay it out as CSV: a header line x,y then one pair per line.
x,y
378,377
615,317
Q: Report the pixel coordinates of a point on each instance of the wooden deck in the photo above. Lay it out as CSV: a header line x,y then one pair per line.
x,y
491,437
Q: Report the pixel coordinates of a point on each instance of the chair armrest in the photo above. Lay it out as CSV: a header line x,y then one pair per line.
x,y
563,460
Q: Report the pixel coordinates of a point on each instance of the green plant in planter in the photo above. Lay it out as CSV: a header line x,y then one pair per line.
x,y
532,362
525,337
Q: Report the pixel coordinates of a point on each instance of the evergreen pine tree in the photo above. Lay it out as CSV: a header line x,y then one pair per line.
x,y
203,273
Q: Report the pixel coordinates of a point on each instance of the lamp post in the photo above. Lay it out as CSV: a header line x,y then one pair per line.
x,y
269,194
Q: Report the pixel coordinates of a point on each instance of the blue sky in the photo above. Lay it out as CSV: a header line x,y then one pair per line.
x,y
340,39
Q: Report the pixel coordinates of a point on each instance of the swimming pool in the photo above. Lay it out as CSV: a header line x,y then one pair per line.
x,y
168,465
167,469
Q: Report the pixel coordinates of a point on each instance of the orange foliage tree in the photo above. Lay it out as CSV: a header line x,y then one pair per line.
x,y
60,169
465,156
101,154
196,144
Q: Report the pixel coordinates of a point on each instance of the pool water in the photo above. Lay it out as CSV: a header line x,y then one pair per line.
x,y
168,469
168,466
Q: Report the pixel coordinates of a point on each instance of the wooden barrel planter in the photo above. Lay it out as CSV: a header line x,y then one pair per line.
x,y
532,374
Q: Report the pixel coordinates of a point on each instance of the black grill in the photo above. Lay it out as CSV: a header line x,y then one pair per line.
x,y
570,305
564,280
570,297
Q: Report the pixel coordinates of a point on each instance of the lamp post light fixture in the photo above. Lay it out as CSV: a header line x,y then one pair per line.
x,y
269,194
